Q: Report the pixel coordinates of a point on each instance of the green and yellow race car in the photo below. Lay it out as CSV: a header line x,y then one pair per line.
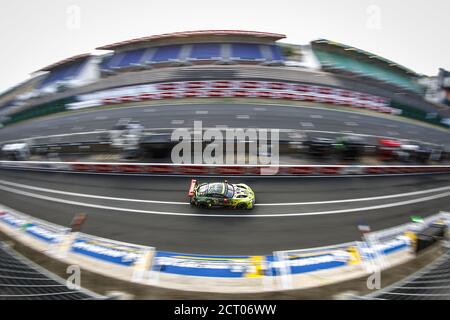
x,y
221,194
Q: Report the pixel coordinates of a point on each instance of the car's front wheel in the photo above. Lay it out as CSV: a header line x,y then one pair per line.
x,y
241,206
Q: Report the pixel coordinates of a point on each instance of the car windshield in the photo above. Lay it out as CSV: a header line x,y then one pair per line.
x,y
202,190
230,191
216,188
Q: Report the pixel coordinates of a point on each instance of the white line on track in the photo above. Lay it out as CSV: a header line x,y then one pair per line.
x,y
225,126
84,195
58,135
399,195
129,210
307,124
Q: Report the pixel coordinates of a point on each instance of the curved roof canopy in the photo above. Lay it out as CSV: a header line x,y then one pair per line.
x,y
65,61
186,34
367,55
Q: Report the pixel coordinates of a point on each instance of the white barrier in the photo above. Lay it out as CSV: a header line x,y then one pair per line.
x,y
97,254
237,89
286,264
391,233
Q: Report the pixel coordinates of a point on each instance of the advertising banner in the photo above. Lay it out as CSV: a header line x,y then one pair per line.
x,y
107,250
210,266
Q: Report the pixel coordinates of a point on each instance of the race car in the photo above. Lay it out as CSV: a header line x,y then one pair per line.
x,y
221,194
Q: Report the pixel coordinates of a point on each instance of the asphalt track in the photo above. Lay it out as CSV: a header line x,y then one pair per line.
x,y
231,115
291,213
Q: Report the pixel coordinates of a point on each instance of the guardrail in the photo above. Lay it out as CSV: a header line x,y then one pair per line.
x,y
281,270
222,170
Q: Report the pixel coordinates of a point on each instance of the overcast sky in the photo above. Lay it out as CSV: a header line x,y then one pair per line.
x,y
34,34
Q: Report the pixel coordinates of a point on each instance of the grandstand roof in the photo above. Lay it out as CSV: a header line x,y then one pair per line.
x,y
368,55
185,34
65,61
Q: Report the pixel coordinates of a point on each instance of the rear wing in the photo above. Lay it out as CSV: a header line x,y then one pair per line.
x,y
192,188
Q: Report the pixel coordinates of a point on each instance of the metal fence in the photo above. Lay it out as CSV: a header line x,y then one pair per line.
x,y
21,279
430,283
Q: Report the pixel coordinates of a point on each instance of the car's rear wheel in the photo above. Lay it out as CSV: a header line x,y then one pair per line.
x,y
203,205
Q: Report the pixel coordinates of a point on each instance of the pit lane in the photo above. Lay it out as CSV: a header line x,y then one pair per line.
x,y
290,213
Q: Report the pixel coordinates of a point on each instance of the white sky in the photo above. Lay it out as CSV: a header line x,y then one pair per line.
x,y
34,34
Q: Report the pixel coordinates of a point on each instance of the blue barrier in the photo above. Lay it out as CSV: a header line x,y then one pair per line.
x,y
385,248
207,266
43,233
279,264
304,261
300,264
12,220
125,255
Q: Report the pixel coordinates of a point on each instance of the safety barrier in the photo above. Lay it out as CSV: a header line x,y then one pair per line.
x,y
144,264
108,257
290,264
107,250
210,266
222,170
239,89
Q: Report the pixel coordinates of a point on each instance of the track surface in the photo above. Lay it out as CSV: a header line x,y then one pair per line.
x,y
268,227
248,116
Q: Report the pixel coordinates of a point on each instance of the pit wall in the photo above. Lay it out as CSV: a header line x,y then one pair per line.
x,y
225,170
276,271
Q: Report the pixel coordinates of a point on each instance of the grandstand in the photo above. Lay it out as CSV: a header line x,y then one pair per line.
x,y
71,72
10,98
193,47
218,55
337,57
